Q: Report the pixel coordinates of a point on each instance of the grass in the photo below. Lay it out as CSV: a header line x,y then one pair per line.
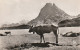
x,y
17,41
26,41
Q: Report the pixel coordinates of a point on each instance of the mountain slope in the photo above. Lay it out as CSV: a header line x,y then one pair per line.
x,y
70,22
49,14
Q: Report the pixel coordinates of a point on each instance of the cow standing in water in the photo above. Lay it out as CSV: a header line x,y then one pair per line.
x,y
40,30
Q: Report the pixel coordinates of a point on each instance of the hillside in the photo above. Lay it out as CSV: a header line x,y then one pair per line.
x,y
16,27
49,14
70,22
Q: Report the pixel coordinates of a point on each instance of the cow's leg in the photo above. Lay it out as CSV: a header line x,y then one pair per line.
x,y
56,35
40,38
33,32
56,38
43,38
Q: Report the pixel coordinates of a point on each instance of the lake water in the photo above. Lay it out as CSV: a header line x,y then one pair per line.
x,y
62,30
16,31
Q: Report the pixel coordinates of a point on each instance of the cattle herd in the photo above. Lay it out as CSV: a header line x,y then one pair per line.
x,y
5,33
41,30
71,34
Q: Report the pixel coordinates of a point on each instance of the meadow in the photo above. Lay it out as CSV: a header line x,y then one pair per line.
x,y
20,37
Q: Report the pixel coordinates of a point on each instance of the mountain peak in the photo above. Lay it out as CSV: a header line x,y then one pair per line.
x,y
50,13
78,15
53,4
48,4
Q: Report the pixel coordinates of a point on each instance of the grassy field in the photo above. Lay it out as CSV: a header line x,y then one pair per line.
x,y
23,40
63,30
8,42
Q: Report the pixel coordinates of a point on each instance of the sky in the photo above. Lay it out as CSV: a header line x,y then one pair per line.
x,y
13,11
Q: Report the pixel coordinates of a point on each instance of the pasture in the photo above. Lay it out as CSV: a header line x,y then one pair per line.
x,y
63,30
22,36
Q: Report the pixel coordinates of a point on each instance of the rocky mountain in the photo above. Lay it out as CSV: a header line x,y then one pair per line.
x,y
78,15
49,14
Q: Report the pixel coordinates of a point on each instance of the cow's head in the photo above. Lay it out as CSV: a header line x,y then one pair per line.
x,y
32,29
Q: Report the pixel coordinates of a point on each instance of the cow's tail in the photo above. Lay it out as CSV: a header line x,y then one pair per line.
x,y
58,30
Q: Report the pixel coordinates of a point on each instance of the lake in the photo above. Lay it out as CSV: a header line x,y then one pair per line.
x,y
16,31
62,30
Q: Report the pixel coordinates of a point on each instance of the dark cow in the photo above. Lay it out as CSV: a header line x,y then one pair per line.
x,y
8,33
71,34
40,30
2,35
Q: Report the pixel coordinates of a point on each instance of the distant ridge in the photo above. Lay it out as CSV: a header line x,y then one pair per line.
x,y
75,22
49,14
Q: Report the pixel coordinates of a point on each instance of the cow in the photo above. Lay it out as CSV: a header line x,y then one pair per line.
x,y
40,30
2,35
8,32
71,34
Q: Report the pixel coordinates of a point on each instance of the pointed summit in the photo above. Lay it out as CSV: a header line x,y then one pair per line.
x,y
48,4
78,15
50,13
53,4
